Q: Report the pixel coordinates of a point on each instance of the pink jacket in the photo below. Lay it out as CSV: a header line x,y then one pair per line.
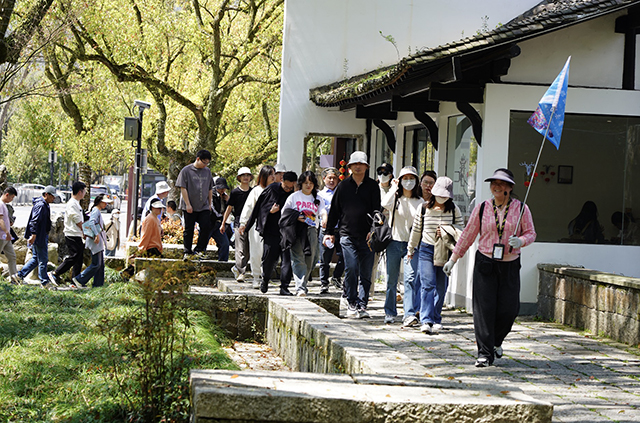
x,y
489,235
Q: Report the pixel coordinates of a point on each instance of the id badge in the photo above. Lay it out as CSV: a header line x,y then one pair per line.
x,y
498,251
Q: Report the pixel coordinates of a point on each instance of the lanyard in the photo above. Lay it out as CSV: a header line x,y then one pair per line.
x,y
500,227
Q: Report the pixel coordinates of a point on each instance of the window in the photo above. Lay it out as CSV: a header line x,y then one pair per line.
x,y
584,192
418,149
462,157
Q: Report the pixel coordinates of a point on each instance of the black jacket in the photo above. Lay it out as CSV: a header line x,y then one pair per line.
x,y
351,205
291,229
267,223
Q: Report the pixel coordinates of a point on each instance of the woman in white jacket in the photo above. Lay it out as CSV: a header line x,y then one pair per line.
x,y
265,177
96,244
402,201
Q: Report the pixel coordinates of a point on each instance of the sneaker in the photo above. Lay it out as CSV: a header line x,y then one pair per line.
x,y
352,311
436,328
53,278
301,294
362,314
187,256
498,352
240,278
425,328
337,283
75,283
389,319
410,321
16,279
285,292
264,287
482,362
324,289
47,285
256,284
236,272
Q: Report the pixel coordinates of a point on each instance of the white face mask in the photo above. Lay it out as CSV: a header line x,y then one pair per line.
x,y
408,184
441,200
384,178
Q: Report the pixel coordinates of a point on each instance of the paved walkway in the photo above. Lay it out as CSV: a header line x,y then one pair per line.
x,y
585,378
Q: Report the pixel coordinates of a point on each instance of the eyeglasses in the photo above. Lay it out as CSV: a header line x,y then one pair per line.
x,y
428,184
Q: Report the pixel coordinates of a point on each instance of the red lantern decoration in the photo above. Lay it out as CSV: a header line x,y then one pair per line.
x,y
535,175
527,183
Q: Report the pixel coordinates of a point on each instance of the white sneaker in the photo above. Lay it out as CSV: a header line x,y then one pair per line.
x,y
301,294
256,284
425,328
389,319
235,272
436,328
363,314
240,278
352,312
410,321
52,278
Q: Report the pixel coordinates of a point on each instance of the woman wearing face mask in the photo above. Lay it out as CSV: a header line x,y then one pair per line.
x,y
496,273
439,210
385,175
426,183
402,202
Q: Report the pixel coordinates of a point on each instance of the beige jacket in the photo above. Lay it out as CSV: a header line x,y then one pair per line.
x,y
445,243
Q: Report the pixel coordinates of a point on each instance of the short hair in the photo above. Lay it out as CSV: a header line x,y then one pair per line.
x,y
429,173
10,191
290,176
203,155
77,187
329,170
172,205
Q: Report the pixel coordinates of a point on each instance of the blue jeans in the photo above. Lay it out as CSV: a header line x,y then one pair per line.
x,y
40,258
95,271
396,251
358,263
434,283
301,264
222,242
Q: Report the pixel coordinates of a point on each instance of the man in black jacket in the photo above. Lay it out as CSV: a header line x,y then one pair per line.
x,y
266,216
355,199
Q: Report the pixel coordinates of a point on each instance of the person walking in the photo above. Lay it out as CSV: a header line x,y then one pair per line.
x,y
330,177
237,198
37,235
73,235
6,246
496,273
305,209
266,216
96,244
355,199
428,227
196,189
220,199
403,202
151,232
266,177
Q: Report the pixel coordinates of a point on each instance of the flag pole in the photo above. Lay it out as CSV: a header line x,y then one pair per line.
x,y
553,110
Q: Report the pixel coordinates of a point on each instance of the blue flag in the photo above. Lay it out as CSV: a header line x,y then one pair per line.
x,y
548,119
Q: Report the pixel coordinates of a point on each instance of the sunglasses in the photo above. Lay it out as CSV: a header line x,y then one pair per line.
x,y
383,172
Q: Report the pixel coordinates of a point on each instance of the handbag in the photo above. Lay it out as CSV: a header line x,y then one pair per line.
x,y
380,235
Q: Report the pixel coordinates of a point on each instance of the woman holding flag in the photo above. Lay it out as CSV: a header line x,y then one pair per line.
x,y
496,274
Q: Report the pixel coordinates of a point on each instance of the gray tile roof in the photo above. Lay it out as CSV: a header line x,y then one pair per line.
x,y
550,15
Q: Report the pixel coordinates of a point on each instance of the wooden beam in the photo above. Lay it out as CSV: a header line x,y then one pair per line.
x,y
388,132
431,126
378,111
474,117
457,92
414,103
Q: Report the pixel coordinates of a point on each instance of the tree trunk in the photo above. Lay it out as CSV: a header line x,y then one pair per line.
x,y
84,171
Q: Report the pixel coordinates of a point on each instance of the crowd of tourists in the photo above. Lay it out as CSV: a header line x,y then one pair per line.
x,y
299,221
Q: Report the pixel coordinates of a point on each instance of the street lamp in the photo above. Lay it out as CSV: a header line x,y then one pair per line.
x,y
133,131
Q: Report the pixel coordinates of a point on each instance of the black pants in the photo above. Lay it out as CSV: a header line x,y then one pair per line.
x,y
326,254
204,221
496,301
73,259
270,254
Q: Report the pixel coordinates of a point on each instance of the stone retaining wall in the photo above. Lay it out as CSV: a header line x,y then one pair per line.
x,y
602,303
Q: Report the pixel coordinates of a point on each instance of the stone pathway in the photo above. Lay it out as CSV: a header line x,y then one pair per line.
x,y
586,379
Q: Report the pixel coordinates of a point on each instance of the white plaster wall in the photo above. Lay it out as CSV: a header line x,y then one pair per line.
x,y
326,41
595,48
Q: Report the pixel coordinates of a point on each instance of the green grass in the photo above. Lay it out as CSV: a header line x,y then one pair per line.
x,y
55,366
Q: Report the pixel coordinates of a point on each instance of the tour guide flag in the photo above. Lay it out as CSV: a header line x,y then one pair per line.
x,y
548,119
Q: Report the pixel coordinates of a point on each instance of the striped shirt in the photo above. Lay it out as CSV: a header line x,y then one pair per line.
x,y
489,233
425,231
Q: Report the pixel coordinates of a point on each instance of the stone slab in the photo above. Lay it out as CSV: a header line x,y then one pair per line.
x,y
252,396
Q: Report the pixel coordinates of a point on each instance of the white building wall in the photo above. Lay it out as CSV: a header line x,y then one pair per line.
x,y
326,41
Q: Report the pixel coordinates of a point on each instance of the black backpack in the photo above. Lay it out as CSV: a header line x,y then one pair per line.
x,y
380,235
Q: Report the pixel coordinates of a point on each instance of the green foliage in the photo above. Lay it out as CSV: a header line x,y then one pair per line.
x,y
56,366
